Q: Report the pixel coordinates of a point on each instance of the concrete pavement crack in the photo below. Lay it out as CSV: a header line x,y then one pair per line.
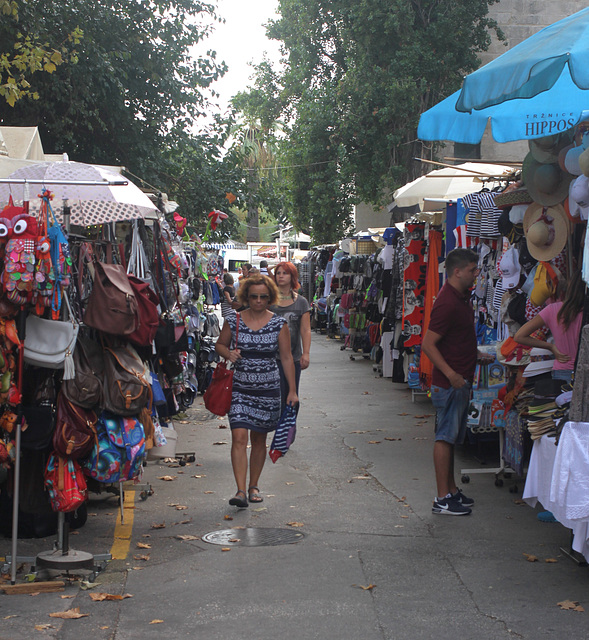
x,y
476,605
375,608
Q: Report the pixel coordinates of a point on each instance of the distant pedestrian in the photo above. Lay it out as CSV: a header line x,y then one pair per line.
x,y
451,344
296,310
228,295
264,267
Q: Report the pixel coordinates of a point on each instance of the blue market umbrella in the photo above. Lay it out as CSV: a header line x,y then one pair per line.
x,y
545,114
534,66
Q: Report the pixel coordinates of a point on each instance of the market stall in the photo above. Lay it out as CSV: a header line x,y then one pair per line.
x,y
103,313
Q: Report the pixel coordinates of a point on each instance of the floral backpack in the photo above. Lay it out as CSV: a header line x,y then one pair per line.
x,y
119,453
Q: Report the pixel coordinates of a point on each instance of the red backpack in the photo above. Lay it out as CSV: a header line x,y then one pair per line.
x,y
66,484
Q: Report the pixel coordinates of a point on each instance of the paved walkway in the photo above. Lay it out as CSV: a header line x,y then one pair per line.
x,y
374,564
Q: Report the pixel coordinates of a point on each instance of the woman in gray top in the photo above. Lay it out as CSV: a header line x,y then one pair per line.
x,y
296,311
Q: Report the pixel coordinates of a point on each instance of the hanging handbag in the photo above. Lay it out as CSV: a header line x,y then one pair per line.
x,y
217,397
112,306
147,312
75,429
86,388
66,484
50,343
126,384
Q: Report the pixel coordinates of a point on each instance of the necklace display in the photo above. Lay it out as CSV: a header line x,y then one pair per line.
x,y
287,297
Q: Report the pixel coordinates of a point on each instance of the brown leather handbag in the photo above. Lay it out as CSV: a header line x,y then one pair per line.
x,y
126,386
85,389
112,306
75,429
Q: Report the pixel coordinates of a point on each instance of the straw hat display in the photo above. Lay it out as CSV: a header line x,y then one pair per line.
x,y
546,229
547,184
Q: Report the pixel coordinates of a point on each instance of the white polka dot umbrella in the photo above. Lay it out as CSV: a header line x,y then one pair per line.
x,y
91,191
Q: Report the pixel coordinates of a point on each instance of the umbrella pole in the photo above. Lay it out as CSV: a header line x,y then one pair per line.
x,y
19,414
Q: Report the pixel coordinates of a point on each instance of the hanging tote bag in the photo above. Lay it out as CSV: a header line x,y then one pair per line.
x,y
66,484
217,397
112,306
51,343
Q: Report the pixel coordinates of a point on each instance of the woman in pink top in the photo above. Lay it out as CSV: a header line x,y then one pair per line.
x,y
564,320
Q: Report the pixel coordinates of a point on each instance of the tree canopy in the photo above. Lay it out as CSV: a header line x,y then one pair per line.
x,y
357,75
135,85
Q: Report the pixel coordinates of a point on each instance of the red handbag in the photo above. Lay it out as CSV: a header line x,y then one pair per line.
x,y
66,484
217,396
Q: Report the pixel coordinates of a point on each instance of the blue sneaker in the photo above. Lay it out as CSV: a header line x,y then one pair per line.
x,y
464,500
450,507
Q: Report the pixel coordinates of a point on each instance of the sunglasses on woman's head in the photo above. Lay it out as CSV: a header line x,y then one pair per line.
x,y
258,296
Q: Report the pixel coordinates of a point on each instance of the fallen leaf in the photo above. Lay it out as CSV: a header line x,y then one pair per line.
x,y
183,422
187,536
402,414
228,518
295,524
156,622
234,540
530,557
419,416
550,560
66,597
100,597
392,439
143,545
404,516
14,616
173,504
182,522
240,526
374,442
289,483
225,548
208,492
141,557
358,431
36,593
181,507
368,588
167,478
70,614
361,477
103,628
199,476
366,393
158,525
570,605
220,442
43,627
520,502
261,509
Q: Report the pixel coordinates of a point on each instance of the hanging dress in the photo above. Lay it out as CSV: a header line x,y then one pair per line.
x,y
255,400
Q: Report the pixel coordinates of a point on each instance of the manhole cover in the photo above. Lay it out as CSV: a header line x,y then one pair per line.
x,y
253,537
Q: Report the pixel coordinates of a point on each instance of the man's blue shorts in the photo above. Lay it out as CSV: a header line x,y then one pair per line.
x,y
451,412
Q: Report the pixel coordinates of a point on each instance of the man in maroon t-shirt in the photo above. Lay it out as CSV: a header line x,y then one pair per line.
x,y
451,344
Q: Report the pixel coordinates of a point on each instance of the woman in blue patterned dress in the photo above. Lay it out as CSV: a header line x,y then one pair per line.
x,y
255,403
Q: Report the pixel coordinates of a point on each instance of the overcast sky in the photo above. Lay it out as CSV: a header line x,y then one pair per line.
x,y
240,40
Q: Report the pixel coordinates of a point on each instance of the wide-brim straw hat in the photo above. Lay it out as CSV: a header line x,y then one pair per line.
x,y
547,184
546,149
546,230
509,198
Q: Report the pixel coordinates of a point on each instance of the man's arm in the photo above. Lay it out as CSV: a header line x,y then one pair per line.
x,y
429,347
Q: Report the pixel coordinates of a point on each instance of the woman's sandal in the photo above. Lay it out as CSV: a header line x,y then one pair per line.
x,y
254,497
236,501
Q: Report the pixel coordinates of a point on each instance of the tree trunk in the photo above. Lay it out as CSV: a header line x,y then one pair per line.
x,y
253,212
